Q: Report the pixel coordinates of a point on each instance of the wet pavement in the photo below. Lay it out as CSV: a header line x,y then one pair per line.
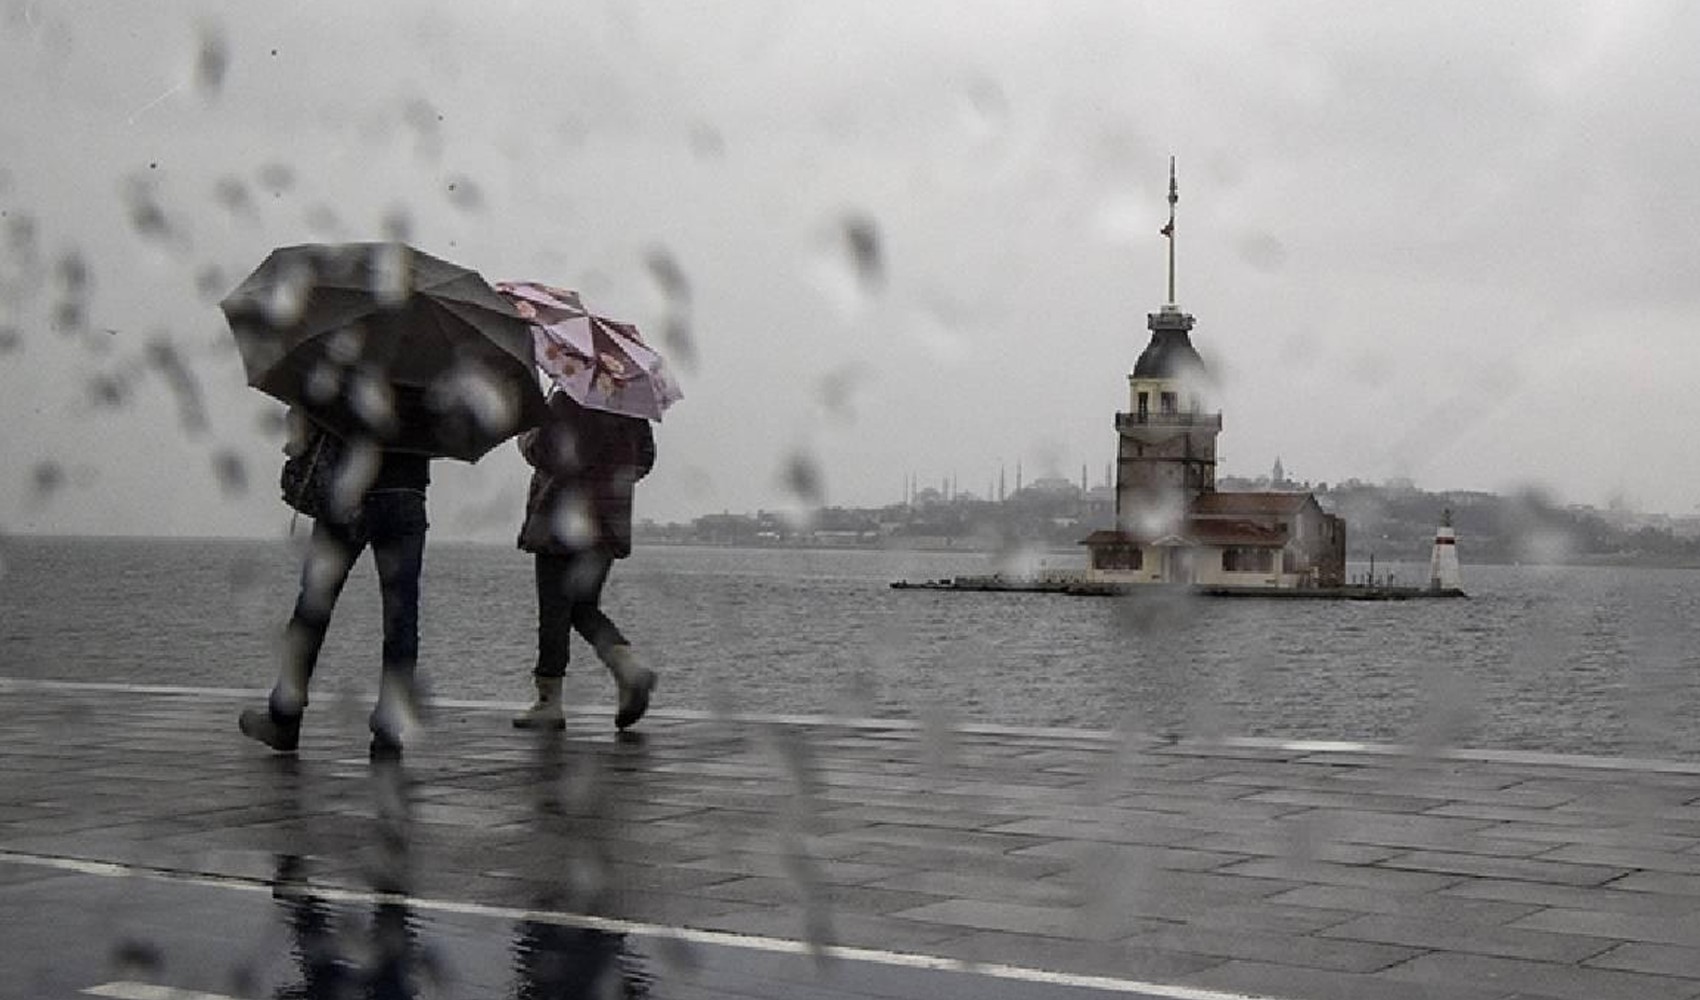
x,y
147,850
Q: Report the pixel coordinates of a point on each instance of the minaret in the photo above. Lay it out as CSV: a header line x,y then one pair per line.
x,y
1443,572
1166,453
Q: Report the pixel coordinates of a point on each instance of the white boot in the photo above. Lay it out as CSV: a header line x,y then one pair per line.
x,y
546,714
635,681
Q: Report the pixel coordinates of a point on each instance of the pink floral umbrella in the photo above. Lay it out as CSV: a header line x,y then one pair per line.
x,y
601,363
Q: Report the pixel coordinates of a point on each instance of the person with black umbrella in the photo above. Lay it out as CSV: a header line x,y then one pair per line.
x,y
367,497
388,357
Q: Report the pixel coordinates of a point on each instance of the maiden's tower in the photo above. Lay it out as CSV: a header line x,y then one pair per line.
x,y
1171,523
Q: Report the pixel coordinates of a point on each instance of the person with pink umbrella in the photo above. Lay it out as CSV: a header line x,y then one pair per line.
x,y
586,457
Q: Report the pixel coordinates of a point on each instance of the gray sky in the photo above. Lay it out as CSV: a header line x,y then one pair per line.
x,y
1451,241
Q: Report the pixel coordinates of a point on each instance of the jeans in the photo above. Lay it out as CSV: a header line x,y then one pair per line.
x,y
392,522
569,596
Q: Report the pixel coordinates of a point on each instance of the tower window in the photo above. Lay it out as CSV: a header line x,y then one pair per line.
x,y
1166,402
1144,405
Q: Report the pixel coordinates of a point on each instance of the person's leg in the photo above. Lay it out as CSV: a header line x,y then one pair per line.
x,y
397,521
634,680
332,550
583,586
554,630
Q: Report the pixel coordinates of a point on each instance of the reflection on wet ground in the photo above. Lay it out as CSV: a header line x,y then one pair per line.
x,y
163,937
144,842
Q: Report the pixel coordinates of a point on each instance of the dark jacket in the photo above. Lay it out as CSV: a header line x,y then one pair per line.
x,y
586,464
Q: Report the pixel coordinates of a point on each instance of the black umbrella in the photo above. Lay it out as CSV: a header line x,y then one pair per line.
x,y
382,342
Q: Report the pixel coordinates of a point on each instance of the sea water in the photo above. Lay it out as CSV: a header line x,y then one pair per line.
x,y
1566,659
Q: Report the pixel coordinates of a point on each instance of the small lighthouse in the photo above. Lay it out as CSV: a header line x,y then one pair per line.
x,y
1443,571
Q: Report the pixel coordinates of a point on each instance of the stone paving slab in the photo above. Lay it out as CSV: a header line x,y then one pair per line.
x,y
1297,871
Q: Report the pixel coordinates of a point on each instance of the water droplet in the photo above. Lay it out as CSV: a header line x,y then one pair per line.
x,y
211,283
163,357
397,225
867,258
231,193
985,109
426,124
48,477
677,339
147,215
70,317
212,61
1263,252
570,522
837,387
323,220
277,177
108,391
668,275
464,194
372,401
392,274
232,473
323,383
74,274
286,298
137,959
801,475
706,142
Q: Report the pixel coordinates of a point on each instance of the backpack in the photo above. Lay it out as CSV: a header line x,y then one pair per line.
x,y
308,479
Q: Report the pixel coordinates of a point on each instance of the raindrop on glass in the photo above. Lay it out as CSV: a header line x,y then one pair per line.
x,y
801,475
212,61
668,275
232,473
392,277
397,225
323,383
985,109
137,959
286,299
147,215
322,220
706,142
211,283
679,343
69,317
231,193
74,274
1263,252
48,478
163,356
570,522
277,178
464,194
108,391
862,240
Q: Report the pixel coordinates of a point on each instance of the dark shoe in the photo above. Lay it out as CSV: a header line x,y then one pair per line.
x,y
281,733
635,682
634,698
384,747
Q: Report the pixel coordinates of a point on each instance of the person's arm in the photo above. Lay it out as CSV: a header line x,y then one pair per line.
x,y
646,450
297,432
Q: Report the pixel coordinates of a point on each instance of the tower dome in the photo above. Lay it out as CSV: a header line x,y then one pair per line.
x,y
1170,354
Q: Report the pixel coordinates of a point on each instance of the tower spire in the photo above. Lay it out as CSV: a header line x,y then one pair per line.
x,y
1169,230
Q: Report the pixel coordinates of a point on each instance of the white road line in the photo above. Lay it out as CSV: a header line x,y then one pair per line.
x,y
1105,736
125,990
723,939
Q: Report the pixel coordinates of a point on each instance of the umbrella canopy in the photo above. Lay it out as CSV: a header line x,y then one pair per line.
x,y
382,341
601,363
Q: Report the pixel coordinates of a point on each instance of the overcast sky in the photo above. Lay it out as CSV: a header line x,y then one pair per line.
x,y
1457,242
